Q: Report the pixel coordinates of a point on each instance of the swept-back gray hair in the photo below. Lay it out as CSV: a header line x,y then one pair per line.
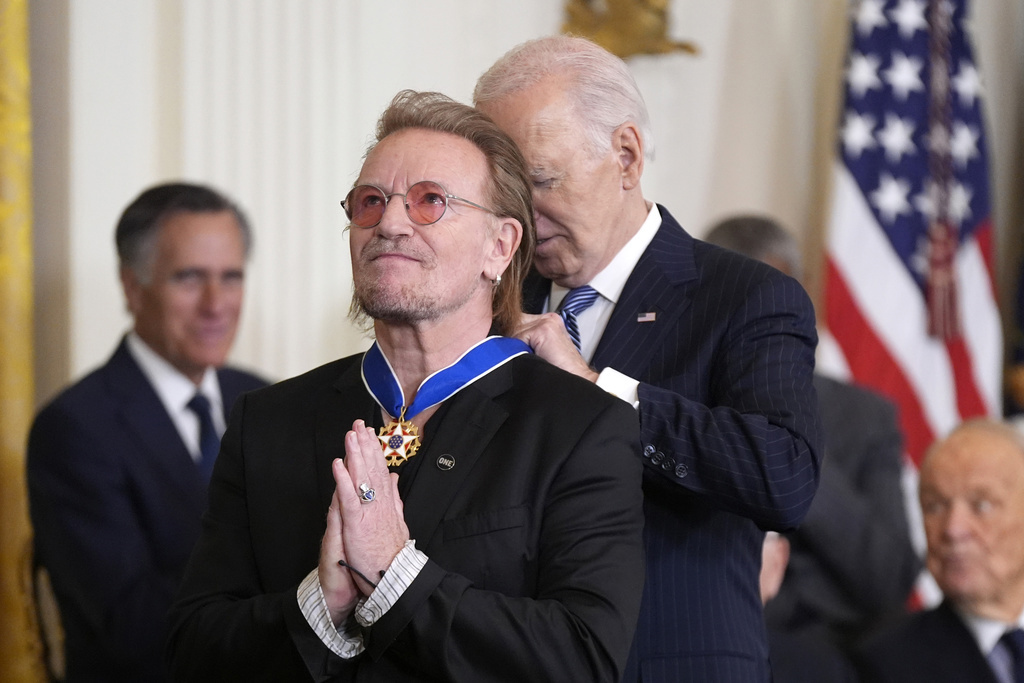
x,y
602,90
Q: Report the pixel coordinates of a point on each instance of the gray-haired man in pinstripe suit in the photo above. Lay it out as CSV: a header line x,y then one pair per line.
x,y
715,351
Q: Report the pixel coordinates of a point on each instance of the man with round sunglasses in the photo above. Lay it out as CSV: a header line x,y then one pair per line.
x,y
425,202
483,508
715,351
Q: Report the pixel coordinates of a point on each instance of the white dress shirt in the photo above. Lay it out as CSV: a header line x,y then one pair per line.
x,y
609,284
987,633
348,641
175,391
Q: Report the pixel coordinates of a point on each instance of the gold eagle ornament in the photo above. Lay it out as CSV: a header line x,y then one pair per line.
x,y
624,27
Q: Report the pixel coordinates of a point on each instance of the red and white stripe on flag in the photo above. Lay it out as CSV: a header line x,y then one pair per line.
x,y
910,223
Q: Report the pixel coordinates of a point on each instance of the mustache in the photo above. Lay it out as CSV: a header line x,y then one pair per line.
x,y
381,246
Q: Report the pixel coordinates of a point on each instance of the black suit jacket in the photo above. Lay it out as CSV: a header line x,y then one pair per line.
x,y
808,655
731,444
116,502
852,564
533,537
933,646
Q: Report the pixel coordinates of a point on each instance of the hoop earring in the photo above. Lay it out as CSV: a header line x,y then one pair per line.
x,y
497,280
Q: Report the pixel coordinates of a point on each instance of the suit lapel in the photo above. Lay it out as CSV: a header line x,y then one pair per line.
x,y
467,428
963,653
661,284
334,419
233,384
144,416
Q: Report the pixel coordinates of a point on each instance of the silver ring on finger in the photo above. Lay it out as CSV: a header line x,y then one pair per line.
x,y
366,494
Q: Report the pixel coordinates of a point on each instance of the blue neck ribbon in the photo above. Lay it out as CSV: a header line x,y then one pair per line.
x,y
380,380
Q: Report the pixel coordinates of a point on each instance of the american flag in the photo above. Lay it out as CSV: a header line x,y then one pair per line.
x,y
909,292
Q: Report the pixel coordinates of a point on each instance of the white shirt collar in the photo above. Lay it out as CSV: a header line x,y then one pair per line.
x,y
610,282
175,390
987,632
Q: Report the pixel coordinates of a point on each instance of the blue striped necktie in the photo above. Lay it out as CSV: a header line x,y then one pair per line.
x,y
209,441
1014,641
574,303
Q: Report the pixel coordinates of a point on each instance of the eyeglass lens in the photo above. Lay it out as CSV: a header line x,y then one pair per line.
x,y
425,202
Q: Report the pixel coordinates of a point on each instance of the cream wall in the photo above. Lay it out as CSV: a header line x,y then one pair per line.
x,y
274,102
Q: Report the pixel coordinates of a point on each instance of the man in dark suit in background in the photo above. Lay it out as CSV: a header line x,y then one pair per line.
x,y
852,564
716,352
118,463
972,503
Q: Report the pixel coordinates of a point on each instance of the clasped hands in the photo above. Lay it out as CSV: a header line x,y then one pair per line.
x,y
365,535
368,535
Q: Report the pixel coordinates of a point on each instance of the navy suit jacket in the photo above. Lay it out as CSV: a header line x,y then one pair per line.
x,y
730,431
933,646
116,502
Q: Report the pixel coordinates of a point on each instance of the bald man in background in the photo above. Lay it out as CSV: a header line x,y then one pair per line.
x,y
972,503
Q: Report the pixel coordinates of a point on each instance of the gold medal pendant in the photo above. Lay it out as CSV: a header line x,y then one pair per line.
x,y
399,439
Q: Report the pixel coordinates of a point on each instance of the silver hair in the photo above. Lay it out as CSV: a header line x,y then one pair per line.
x,y
602,90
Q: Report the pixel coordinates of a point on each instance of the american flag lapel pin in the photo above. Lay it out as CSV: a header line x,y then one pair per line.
x,y
647,317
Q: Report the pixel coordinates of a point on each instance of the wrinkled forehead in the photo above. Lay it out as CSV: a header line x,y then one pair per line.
x,y
975,459
535,112
410,155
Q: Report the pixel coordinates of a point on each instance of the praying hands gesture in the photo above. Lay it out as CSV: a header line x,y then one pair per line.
x,y
365,525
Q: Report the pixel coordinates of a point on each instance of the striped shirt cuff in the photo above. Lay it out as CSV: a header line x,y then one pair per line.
x,y
348,642
620,386
403,570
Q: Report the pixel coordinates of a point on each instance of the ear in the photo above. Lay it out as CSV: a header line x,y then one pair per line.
x,y
507,236
133,288
629,149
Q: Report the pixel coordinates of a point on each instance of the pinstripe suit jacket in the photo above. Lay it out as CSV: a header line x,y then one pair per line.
x,y
731,444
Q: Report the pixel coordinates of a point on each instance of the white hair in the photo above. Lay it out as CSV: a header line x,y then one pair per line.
x,y
602,90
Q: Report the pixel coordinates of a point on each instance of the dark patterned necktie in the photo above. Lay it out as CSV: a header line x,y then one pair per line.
x,y
574,303
1014,641
209,441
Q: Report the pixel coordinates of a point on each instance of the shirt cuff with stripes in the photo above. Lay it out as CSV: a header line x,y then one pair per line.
x,y
620,386
348,642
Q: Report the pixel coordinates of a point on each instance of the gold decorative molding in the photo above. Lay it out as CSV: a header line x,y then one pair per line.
x,y
624,27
